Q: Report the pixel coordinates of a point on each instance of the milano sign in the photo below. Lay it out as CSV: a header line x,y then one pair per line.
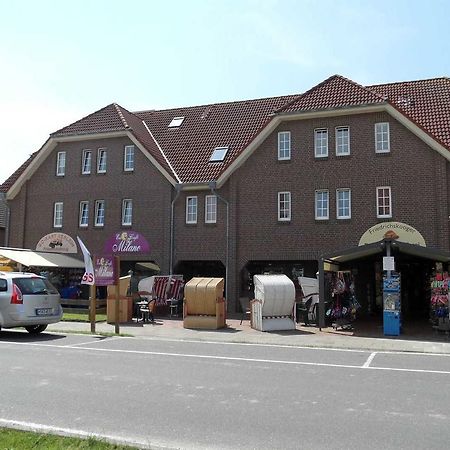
x,y
126,242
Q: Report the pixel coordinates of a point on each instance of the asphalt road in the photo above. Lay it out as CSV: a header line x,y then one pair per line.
x,y
200,395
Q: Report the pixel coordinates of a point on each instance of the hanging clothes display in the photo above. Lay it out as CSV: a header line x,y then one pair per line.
x,y
439,307
344,306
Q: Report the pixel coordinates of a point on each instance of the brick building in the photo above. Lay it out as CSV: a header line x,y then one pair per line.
x,y
266,185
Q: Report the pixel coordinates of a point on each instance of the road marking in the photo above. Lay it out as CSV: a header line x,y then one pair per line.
x,y
369,360
251,344
233,358
92,342
72,432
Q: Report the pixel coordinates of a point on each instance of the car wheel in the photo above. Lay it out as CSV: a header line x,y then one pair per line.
x,y
36,329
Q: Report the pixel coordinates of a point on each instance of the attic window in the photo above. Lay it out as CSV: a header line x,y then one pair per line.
x,y
176,122
218,154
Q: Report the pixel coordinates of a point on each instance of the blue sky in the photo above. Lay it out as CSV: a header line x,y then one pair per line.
x,y
62,60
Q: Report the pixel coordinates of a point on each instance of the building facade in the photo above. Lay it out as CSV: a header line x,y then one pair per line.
x,y
234,189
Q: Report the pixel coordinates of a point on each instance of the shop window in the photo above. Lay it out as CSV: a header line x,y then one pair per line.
x,y
127,211
61,164
384,202
321,143
210,209
284,145
284,206
58,215
191,210
382,139
86,162
322,205
84,214
343,204
342,141
128,158
101,160
99,213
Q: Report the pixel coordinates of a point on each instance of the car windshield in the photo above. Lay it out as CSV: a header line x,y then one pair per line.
x,y
35,286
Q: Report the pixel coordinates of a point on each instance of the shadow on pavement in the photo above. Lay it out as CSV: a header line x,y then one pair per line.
x,y
24,336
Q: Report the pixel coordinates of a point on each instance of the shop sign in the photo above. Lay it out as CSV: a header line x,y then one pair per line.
x,y
392,230
104,269
58,243
127,242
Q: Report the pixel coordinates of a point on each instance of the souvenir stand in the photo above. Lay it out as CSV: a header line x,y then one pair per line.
x,y
342,310
439,307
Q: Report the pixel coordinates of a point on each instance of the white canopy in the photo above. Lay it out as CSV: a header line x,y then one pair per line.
x,y
32,258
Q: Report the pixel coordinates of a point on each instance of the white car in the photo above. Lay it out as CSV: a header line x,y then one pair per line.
x,y
28,300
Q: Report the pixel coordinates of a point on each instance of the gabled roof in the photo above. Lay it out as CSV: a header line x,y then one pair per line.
x,y
335,92
113,118
426,102
14,177
184,151
104,120
190,146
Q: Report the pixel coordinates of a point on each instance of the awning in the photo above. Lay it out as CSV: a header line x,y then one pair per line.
x,y
32,258
147,266
363,251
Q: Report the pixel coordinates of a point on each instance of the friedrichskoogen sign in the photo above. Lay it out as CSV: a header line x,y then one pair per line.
x,y
397,231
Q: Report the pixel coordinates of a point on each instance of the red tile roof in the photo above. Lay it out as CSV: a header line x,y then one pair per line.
x,y
335,92
425,102
188,147
13,177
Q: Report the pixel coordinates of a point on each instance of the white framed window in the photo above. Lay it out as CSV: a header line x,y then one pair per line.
x,y
61,164
128,158
84,214
342,141
127,211
101,160
343,203
384,202
382,141
284,206
284,145
191,209
210,209
58,214
99,220
86,162
321,143
322,205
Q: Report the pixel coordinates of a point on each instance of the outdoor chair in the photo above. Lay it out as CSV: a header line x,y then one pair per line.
x,y
204,304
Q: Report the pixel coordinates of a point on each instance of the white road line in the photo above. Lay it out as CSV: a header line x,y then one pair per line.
x,y
399,369
251,344
72,432
233,358
369,360
92,342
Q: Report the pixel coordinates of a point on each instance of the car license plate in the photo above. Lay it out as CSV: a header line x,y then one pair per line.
x,y
44,311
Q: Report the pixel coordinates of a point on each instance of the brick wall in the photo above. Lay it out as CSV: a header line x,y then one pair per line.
x,y
149,190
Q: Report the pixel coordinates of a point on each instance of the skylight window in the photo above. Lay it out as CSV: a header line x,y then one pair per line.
x,y
218,154
176,122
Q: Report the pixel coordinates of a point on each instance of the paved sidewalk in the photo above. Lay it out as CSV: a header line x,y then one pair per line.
x,y
172,329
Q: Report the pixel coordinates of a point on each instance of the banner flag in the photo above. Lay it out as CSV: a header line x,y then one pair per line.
x,y
88,277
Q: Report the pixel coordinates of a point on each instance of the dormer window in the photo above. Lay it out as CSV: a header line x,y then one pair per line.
x,y
176,122
218,154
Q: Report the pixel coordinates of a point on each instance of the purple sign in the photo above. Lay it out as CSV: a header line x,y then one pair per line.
x,y
104,270
127,242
